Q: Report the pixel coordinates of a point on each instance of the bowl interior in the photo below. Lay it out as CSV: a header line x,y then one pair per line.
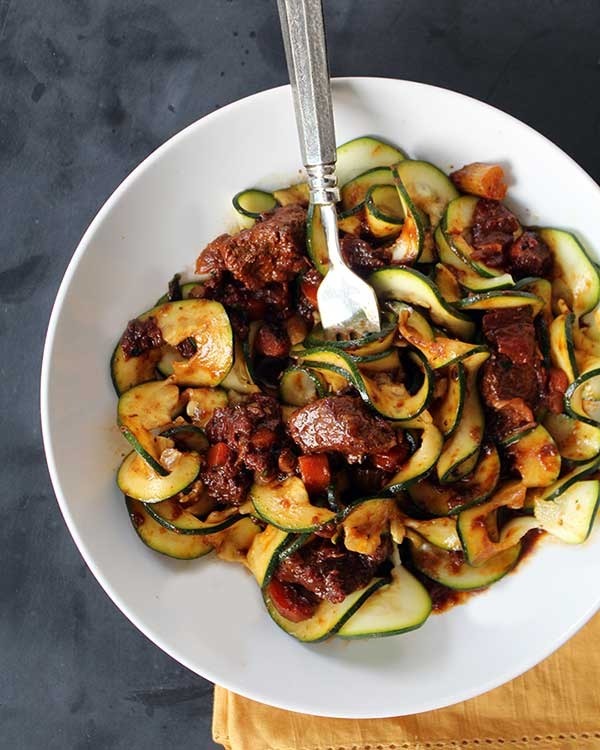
x,y
207,614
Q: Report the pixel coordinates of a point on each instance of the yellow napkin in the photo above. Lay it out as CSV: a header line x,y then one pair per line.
x,y
555,706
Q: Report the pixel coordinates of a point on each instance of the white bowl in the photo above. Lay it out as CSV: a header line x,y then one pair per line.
x,y
208,614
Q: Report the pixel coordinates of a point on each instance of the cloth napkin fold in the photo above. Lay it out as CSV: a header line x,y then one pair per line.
x,y
555,706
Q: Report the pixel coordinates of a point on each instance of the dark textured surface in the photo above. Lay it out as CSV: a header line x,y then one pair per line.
x,y
87,89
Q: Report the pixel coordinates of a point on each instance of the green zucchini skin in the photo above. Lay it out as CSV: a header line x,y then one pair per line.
x,y
357,156
169,514
501,298
250,204
455,227
160,539
266,551
448,413
189,436
573,272
577,441
465,442
563,483
299,386
389,400
420,463
449,500
411,286
287,506
354,193
468,278
137,480
328,619
570,516
442,567
398,607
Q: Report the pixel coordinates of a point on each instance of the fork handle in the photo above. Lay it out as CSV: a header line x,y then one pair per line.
x,y
303,30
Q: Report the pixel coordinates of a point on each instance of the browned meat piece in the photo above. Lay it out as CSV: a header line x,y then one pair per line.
x,y
253,432
271,302
187,348
272,341
329,570
492,231
513,379
558,382
140,336
233,424
342,424
228,483
513,415
270,251
511,332
210,259
503,380
528,255
307,298
292,602
361,256
277,301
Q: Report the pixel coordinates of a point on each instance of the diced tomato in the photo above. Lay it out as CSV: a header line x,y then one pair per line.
x,y
290,601
217,455
390,460
315,472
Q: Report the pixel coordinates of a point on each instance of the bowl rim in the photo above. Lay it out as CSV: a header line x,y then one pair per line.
x,y
82,246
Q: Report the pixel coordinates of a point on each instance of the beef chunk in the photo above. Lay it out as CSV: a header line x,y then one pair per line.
x,y
342,424
277,299
492,231
187,348
558,382
361,256
504,380
513,379
234,424
140,336
272,302
270,251
272,341
511,332
228,483
253,432
513,415
328,570
528,255
307,299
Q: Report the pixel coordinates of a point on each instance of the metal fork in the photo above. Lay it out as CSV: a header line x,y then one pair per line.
x,y
346,302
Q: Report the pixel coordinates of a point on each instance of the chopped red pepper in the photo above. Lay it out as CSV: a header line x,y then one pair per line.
x,y
217,455
315,472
